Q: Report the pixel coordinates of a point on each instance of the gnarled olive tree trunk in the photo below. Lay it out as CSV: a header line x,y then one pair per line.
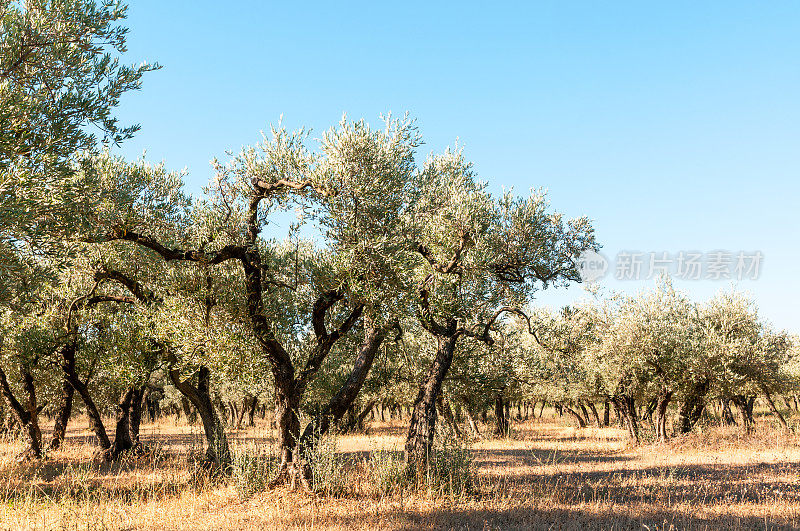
x,y
627,408
501,420
63,414
95,420
693,405
218,450
419,441
26,415
773,409
578,417
662,402
129,416
345,397
745,405
727,414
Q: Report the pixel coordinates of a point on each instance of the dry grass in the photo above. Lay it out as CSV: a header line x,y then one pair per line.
x,y
546,476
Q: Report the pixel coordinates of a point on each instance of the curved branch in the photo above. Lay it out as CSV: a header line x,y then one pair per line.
x,y
168,253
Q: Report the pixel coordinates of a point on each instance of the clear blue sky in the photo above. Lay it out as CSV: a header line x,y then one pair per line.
x,y
674,125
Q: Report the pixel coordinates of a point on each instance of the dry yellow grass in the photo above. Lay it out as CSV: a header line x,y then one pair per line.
x,y
546,476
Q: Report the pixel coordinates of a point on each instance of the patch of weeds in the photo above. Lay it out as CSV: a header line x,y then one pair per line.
x,y
252,468
387,471
329,468
450,471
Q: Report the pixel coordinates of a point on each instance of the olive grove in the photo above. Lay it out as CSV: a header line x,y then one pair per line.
x,y
316,283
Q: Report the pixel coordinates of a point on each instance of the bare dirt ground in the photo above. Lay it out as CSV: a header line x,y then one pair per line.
x,y
545,476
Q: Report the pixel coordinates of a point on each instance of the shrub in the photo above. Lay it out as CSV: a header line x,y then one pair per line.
x,y
329,469
451,469
253,466
387,471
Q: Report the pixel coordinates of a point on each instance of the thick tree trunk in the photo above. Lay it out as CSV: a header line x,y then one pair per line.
x,y
251,412
287,405
692,407
422,428
95,419
501,420
122,434
584,412
135,420
662,403
28,415
606,414
745,406
578,417
63,414
541,409
596,416
727,414
128,420
627,409
218,450
346,395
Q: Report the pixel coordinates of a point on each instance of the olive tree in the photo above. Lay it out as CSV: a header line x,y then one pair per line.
x,y
353,190
60,80
480,259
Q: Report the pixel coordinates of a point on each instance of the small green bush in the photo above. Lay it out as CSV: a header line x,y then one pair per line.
x,y
252,469
451,469
387,471
329,468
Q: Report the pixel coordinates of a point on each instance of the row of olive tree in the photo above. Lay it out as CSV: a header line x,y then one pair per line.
x,y
640,354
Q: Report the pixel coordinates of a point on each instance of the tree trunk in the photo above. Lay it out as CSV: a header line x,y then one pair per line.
x,y
727,414
28,415
627,409
95,420
350,389
501,420
218,451
135,419
422,428
773,409
584,412
251,412
122,433
661,414
692,407
287,406
606,414
541,409
63,414
596,416
578,417
354,422
745,405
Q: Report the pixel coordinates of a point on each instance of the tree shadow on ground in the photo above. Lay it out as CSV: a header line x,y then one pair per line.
x,y
529,518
